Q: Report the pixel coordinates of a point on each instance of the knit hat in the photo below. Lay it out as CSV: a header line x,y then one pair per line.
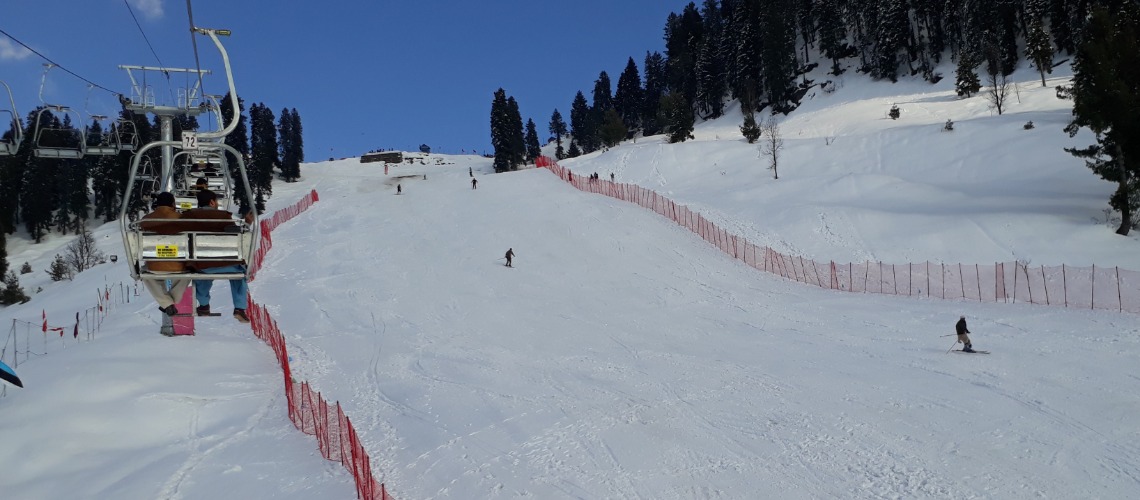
x,y
164,199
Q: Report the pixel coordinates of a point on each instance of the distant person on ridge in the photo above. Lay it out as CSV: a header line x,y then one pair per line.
x,y
399,189
510,255
469,172
960,327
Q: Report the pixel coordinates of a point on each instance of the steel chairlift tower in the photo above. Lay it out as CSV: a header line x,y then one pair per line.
x,y
9,146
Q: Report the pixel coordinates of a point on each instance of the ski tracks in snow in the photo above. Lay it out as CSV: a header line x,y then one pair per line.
x,y
200,449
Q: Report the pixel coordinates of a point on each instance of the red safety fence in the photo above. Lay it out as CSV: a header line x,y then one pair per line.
x,y
1108,288
336,437
271,223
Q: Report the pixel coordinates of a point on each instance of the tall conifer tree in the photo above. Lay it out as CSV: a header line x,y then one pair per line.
x,y
627,100
557,130
533,148
516,139
1106,95
263,153
582,123
654,88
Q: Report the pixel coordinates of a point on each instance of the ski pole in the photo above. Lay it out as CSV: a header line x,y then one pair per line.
x,y
952,347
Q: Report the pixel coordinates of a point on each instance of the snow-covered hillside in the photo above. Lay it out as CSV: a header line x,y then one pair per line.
x,y
622,356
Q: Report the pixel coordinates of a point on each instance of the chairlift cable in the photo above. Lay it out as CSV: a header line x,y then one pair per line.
x,y
57,65
147,40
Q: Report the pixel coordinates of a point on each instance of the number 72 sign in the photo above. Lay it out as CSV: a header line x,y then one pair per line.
x,y
189,140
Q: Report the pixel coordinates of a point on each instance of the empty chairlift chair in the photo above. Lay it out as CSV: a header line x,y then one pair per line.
x,y
101,138
9,139
55,137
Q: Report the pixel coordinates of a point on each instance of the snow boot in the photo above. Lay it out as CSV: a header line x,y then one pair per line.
x,y
239,314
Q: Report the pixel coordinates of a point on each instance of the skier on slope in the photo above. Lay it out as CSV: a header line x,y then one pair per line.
x,y
960,327
510,255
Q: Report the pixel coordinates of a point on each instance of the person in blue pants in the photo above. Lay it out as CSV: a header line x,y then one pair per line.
x,y
208,217
238,291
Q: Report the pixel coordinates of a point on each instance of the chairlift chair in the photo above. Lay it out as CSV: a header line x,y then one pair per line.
x,y
57,141
106,143
52,141
217,181
147,177
235,244
10,142
127,134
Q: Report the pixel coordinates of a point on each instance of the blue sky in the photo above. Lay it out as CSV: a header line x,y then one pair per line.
x,y
362,74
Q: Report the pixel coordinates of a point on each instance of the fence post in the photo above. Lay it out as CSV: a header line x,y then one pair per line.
x,y
1045,284
866,276
1065,284
1028,283
880,277
943,280
1119,297
978,278
1092,297
961,280
1015,282
894,280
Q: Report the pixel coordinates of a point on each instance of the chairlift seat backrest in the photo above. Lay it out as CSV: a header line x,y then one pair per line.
x,y
165,246
190,247
218,246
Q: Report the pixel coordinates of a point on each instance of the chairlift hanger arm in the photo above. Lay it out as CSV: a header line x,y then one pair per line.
x,y
213,34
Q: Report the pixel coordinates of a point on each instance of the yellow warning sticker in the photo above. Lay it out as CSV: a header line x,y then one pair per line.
x,y
166,251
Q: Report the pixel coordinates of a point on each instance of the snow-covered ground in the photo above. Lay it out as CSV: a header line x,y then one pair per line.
x,y
622,356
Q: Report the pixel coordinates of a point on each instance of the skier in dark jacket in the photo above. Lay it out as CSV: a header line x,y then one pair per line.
x,y
510,255
960,327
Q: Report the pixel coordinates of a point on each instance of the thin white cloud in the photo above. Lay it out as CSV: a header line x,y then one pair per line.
x,y
152,9
10,51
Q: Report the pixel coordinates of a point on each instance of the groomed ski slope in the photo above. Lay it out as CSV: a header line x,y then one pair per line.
x,y
625,358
